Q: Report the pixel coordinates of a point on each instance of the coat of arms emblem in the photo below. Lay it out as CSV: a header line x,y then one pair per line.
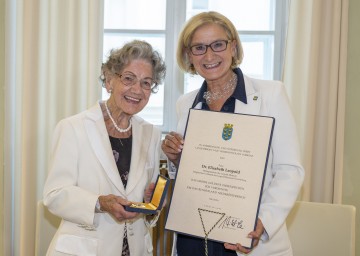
x,y
227,131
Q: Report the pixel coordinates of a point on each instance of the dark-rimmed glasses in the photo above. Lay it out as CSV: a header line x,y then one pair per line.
x,y
130,79
217,46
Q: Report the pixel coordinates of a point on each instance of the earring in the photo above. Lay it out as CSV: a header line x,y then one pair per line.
x,y
192,68
110,91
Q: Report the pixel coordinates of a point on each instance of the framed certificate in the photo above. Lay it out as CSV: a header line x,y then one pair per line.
x,y
219,181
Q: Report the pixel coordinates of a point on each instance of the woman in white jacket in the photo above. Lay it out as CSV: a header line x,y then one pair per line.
x,y
209,45
105,157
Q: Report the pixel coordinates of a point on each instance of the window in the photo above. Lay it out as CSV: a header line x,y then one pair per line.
x,y
260,23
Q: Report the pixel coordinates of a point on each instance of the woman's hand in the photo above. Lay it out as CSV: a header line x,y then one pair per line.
x,y
115,206
172,146
256,235
148,192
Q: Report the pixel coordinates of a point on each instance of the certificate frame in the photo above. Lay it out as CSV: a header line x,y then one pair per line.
x,y
219,182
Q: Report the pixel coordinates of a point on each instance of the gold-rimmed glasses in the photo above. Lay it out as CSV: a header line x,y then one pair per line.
x,y
129,79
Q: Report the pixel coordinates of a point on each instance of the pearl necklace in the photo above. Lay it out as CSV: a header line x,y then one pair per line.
x,y
114,123
210,97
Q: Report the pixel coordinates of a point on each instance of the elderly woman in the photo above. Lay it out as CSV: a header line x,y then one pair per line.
x,y
209,45
105,157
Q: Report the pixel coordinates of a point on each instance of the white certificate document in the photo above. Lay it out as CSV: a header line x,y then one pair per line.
x,y
218,185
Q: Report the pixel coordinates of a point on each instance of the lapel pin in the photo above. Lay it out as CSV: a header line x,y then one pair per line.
x,y
255,98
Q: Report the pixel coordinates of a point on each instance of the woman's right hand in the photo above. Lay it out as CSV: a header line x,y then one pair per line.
x,y
172,146
115,205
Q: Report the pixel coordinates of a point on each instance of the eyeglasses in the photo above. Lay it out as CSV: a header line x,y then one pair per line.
x,y
217,46
130,79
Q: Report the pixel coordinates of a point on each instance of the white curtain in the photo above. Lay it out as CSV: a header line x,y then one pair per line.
x,y
315,76
53,60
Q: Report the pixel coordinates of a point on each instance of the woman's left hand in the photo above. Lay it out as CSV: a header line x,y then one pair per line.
x,y
148,192
256,235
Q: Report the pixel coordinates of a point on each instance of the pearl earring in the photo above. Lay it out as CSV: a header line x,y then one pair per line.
x,y
110,91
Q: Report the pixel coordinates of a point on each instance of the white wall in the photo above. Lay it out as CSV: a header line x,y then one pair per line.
x,y
2,67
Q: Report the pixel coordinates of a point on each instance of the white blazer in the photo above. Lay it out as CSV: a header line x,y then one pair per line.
x,y
284,174
83,168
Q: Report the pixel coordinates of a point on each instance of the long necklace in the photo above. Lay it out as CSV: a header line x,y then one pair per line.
x,y
210,97
114,123
203,225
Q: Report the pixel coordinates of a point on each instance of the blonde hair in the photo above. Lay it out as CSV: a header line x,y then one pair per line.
x,y
189,29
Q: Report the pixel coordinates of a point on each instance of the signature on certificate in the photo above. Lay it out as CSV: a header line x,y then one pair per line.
x,y
232,223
